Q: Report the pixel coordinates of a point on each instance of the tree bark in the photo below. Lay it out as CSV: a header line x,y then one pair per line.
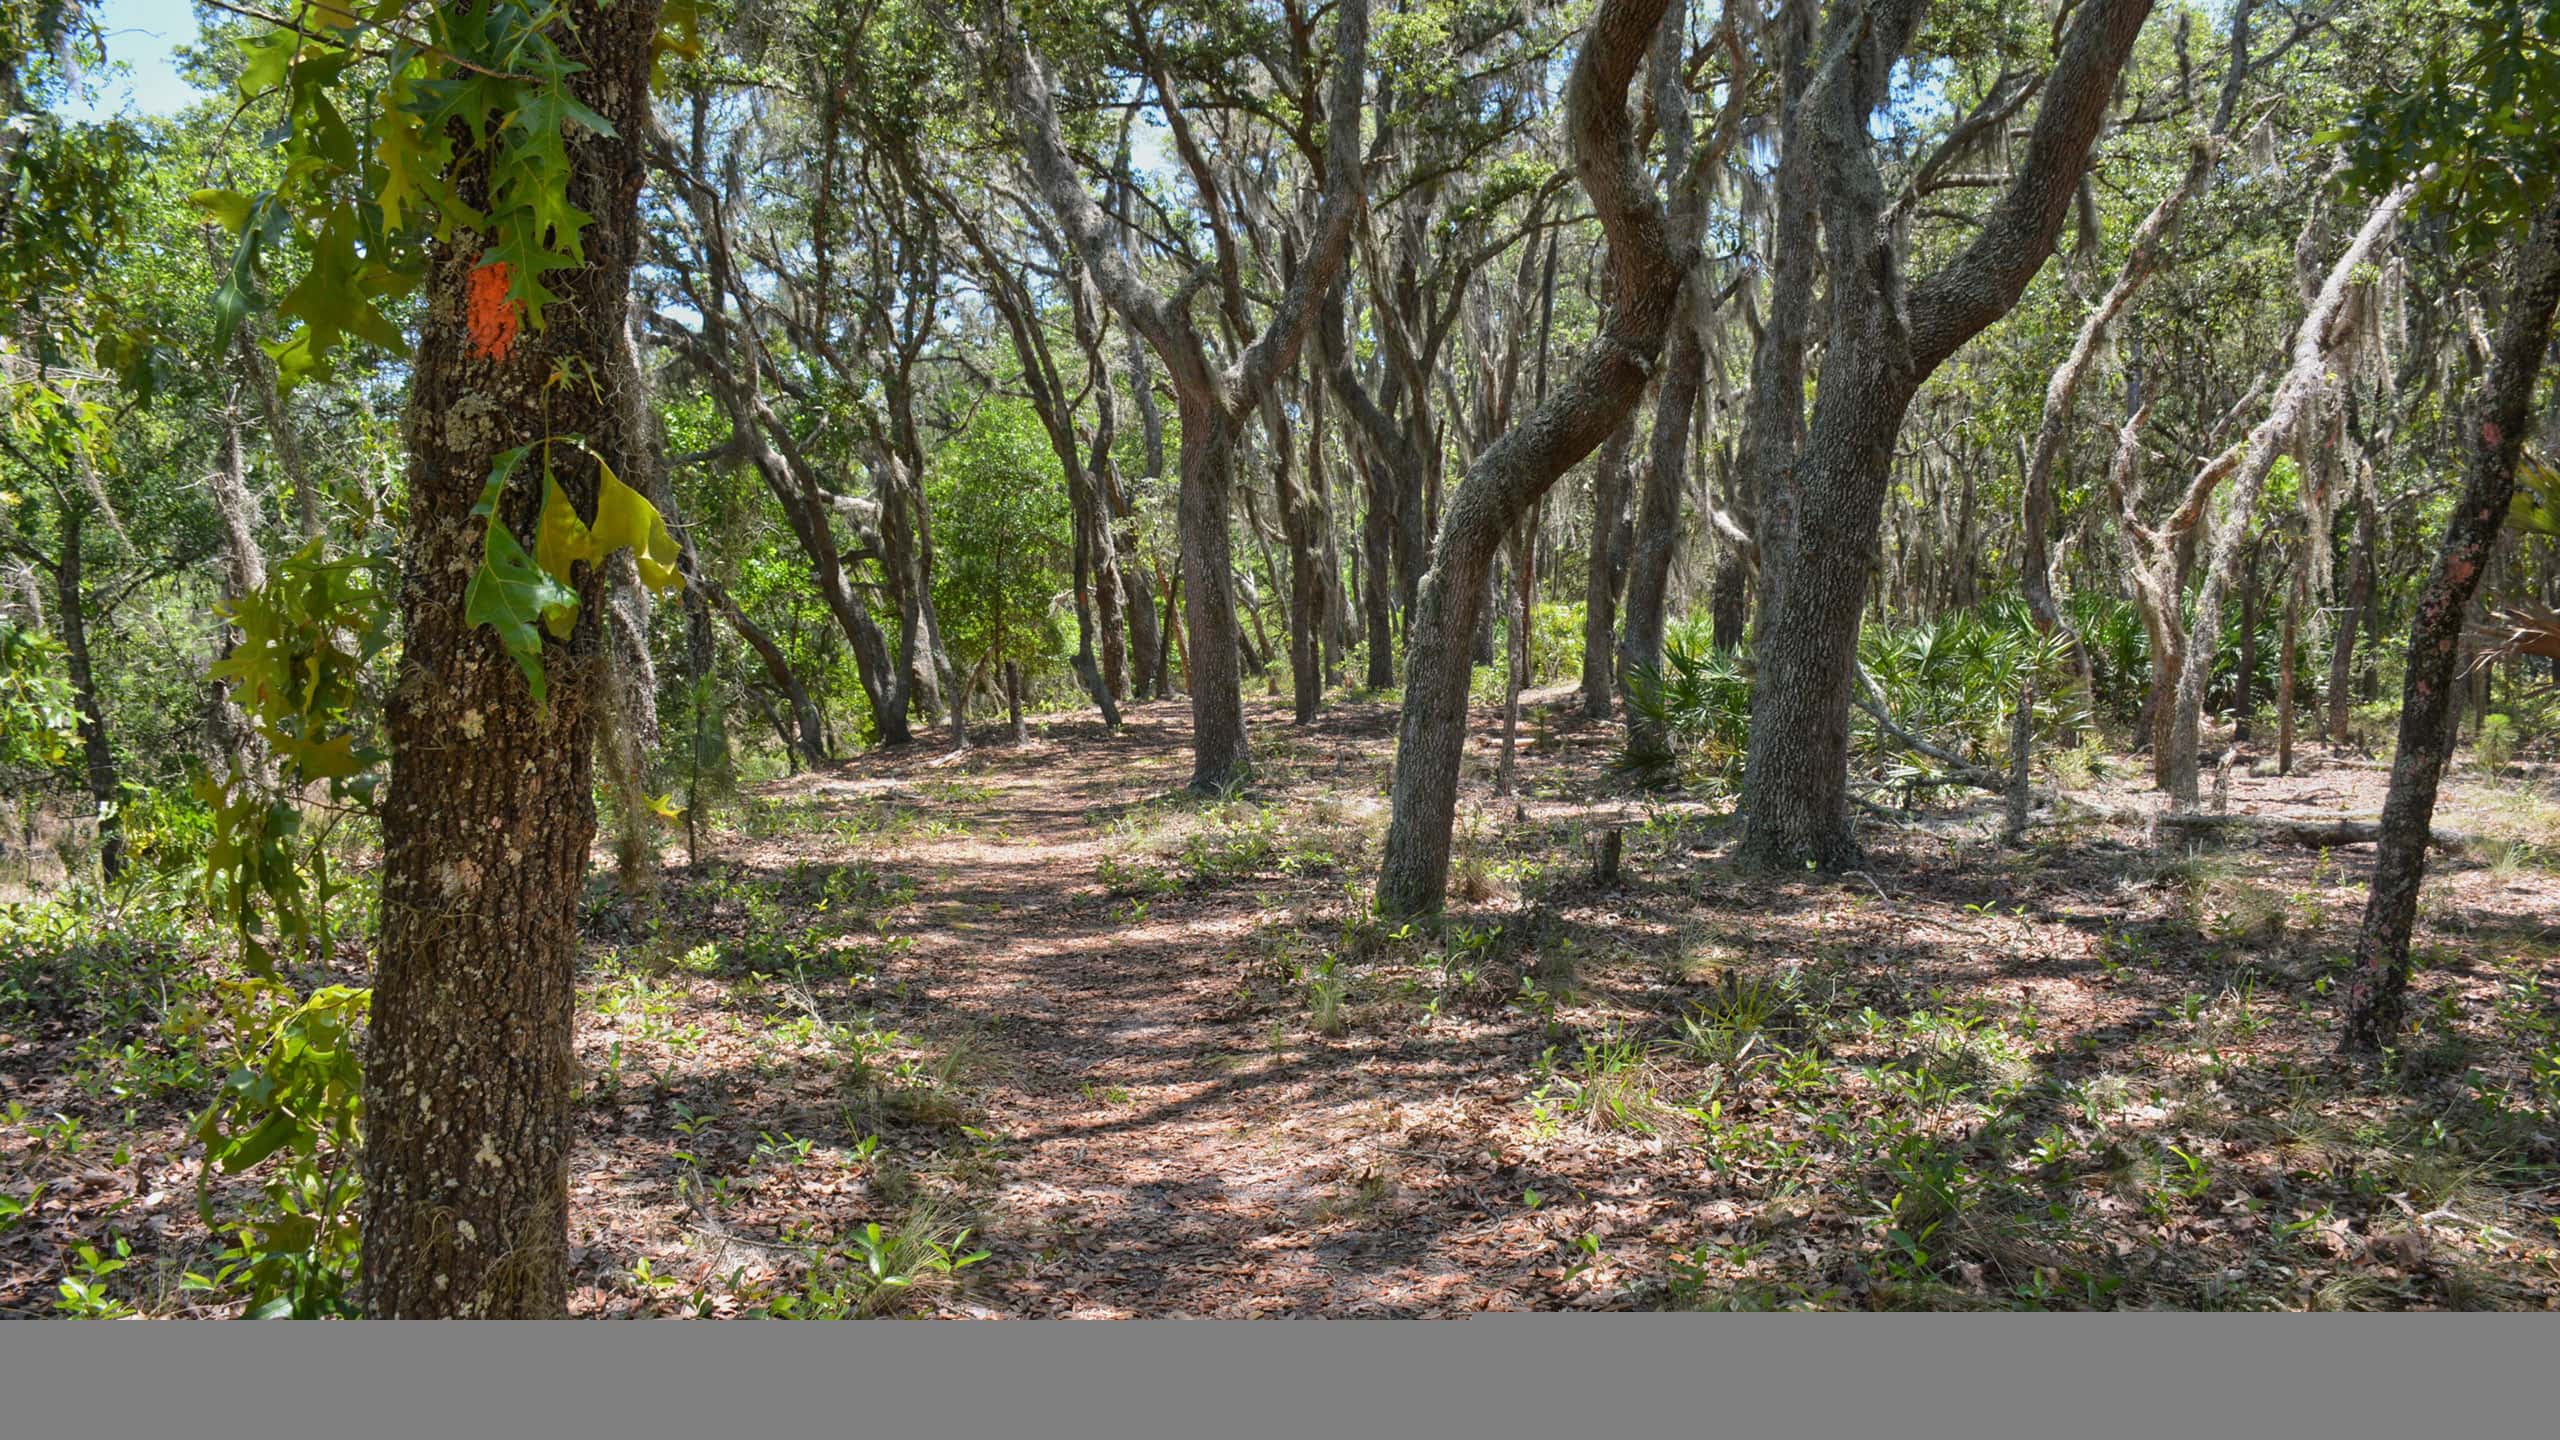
x,y
1515,470
1657,536
1657,531
2359,595
489,808
1882,346
97,752
1600,589
2378,982
1773,422
1302,526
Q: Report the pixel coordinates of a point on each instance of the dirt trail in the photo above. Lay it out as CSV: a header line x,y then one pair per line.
x,y
1165,1152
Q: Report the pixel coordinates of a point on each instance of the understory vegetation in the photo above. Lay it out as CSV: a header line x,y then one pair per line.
x,y
841,1068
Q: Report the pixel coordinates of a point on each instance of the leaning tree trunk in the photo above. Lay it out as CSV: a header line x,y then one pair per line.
x,y
469,1073
812,744
1515,470
2328,325
2378,983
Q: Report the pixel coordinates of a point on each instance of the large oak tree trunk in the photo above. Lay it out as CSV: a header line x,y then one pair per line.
x,y
2377,985
1795,780
1214,643
486,820
1884,342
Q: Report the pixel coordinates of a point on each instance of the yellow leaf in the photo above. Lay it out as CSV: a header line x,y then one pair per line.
x,y
229,208
625,517
560,538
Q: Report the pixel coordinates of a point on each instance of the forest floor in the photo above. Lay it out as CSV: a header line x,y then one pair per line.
x,y
1149,1054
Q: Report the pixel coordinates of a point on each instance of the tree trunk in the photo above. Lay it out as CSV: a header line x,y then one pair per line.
x,y
1302,525
1885,340
707,756
106,786
1657,537
2359,596
2326,325
489,808
244,570
1013,700
1377,545
1213,642
1515,470
1599,589
2144,258
812,743
1773,423
2377,984
2285,663
1094,586
1211,400
1524,561
960,698
2244,686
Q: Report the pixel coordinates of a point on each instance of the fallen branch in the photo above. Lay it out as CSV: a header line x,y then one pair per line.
x,y
2318,832
1872,701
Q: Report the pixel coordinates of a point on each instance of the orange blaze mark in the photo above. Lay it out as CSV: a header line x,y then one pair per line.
x,y
492,315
